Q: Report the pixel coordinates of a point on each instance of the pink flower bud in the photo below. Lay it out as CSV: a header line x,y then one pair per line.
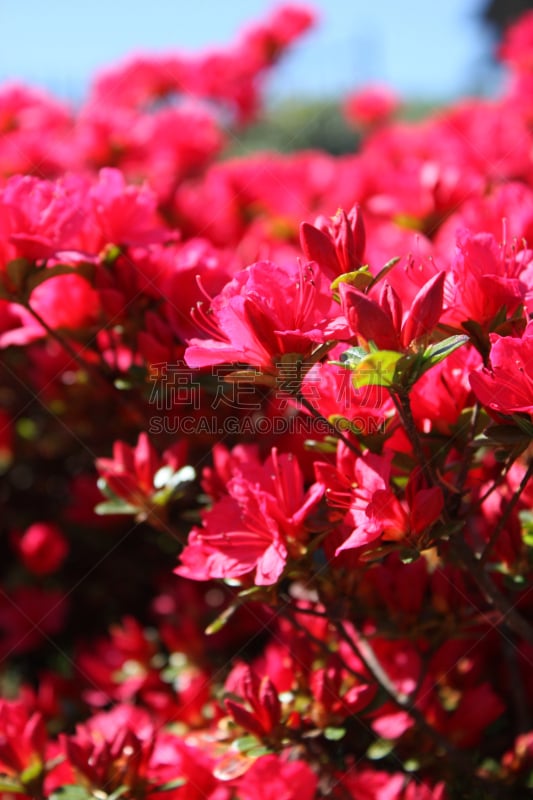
x,y
317,246
425,311
367,319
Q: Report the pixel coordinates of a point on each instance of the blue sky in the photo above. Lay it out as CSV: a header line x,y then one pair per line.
x,y
422,49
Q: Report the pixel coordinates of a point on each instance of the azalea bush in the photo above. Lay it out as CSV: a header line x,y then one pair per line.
x,y
265,442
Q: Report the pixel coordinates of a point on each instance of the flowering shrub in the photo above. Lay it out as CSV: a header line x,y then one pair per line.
x,y
266,464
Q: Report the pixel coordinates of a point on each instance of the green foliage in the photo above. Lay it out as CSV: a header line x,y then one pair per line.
x,y
298,125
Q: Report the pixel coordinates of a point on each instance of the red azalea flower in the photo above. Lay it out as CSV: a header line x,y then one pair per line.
x,y
255,528
336,244
65,302
112,749
263,714
484,278
42,548
125,215
374,510
371,105
133,472
272,778
517,46
507,387
22,740
384,323
39,219
266,314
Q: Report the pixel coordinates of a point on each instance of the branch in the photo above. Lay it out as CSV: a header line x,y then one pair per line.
x,y
511,505
363,649
403,407
492,594
85,365
318,416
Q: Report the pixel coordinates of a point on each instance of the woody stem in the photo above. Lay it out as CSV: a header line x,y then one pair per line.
x,y
325,422
67,347
403,407
511,505
363,649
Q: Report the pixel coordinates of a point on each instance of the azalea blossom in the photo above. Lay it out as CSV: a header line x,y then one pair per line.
x,y
372,508
272,778
370,105
42,547
384,322
507,386
264,713
353,546
267,315
256,528
485,277
336,244
23,741
140,477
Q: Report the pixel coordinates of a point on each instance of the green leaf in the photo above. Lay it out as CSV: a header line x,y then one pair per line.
x,y
120,792
112,252
384,271
515,583
320,447
13,786
169,785
497,435
245,743
376,369
116,506
526,519
479,338
222,619
260,750
254,591
407,556
31,773
71,792
334,734
380,749
441,350
499,318
360,279
104,488
343,424
377,553
351,357
524,423
122,384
